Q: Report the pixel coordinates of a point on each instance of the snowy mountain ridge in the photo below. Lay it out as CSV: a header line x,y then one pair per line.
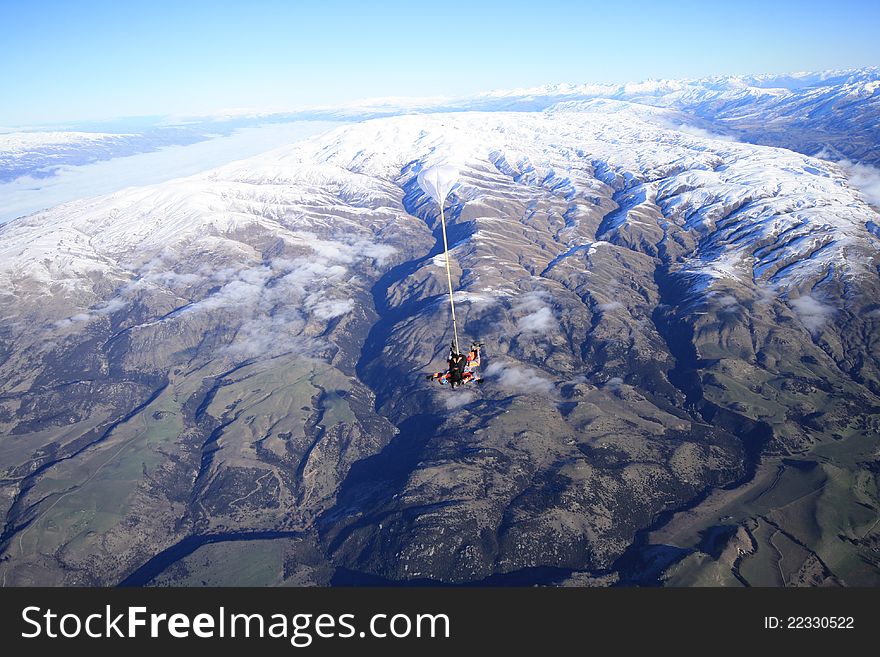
x,y
782,82
756,108
730,201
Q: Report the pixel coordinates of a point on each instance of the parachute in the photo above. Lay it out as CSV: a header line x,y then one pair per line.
x,y
438,181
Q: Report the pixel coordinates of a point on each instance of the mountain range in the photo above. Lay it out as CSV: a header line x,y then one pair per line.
x,y
220,379
808,112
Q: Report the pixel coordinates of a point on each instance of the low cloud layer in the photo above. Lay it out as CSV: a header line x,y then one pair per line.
x,y
104,310
865,178
347,251
814,314
537,322
725,303
278,300
519,378
455,399
271,306
698,132
478,300
539,316
68,182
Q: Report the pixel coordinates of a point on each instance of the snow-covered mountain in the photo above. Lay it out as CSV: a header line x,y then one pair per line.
x,y
38,154
807,112
719,206
241,354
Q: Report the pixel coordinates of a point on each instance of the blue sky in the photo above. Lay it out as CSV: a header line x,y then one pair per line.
x,y
72,61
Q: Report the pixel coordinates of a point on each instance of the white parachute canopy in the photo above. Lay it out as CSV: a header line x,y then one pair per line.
x,y
438,181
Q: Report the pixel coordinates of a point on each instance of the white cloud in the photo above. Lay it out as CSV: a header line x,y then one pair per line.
x,y
519,378
112,306
476,299
532,300
79,318
333,308
766,294
614,383
242,292
271,335
865,178
537,322
700,132
539,317
455,399
27,194
813,313
347,250
268,306
611,305
173,280
726,303
108,308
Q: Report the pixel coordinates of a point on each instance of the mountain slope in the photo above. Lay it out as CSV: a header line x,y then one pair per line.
x,y
239,355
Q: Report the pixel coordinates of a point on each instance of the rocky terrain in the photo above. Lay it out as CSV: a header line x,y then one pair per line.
x,y
219,380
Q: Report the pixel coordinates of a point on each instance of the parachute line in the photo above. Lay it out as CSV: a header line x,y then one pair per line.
x,y
437,182
449,278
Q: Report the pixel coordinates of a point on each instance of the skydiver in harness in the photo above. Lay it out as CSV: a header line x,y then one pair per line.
x,y
459,367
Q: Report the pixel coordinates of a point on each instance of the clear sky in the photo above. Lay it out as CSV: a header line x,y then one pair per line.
x,y
63,61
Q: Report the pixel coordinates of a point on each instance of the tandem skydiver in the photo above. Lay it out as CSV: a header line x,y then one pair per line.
x,y
459,367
